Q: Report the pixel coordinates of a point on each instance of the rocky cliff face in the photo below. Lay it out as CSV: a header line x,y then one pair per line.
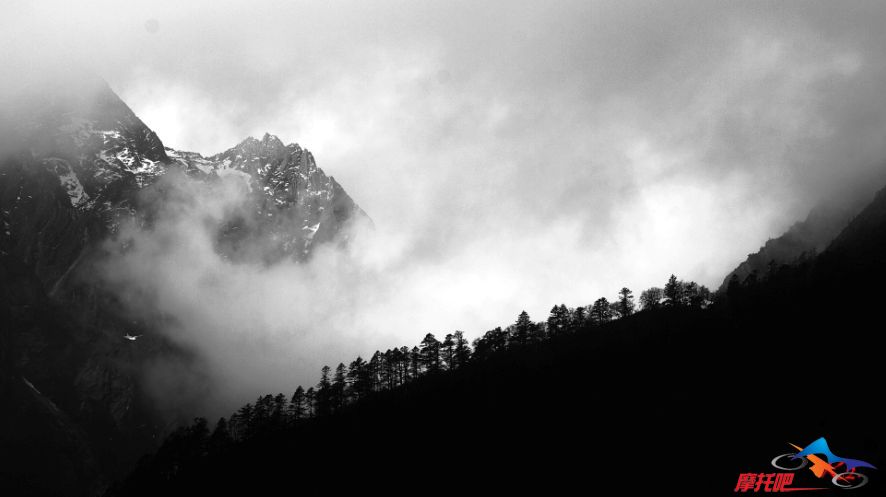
x,y
294,204
75,162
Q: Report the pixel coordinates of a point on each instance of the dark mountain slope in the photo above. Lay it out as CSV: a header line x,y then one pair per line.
x,y
809,237
43,451
668,402
861,243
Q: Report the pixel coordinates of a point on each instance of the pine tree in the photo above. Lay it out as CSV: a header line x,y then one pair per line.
x,y
462,349
376,365
245,422
264,409
430,353
560,320
673,292
404,365
324,393
311,401
358,378
338,387
556,323
297,404
415,362
279,412
386,373
524,329
448,351
221,438
392,359
625,302
578,319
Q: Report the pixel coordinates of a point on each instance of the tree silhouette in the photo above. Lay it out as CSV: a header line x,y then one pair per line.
x,y
415,362
625,304
559,321
484,346
462,349
601,311
524,329
243,428
311,401
448,350
673,292
388,375
338,386
358,377
498,339
578,319
221,438
698,296
280,408
651,298
264,410
297,406
430,353
324,393
375,373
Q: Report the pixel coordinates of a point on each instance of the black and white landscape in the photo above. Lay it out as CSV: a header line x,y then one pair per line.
x,y
609,248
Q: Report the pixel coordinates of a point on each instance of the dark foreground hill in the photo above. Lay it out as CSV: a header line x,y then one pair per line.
x,y
674,401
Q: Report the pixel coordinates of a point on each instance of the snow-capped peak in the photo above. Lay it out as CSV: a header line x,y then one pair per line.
x,y
102,154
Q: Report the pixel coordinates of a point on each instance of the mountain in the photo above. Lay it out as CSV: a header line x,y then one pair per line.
x,y
804,238
295,205
75,163
668,401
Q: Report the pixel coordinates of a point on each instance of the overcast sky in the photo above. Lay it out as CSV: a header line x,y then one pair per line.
x,y
514,154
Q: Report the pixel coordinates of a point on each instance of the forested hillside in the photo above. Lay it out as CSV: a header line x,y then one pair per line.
x,y
676,399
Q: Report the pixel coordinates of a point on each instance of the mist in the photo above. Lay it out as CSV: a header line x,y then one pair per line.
x,y
251,327
512,155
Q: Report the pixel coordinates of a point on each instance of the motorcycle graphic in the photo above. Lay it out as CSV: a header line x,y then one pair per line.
x,y
842,471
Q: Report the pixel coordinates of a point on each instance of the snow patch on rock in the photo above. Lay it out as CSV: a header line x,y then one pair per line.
x,y
68,180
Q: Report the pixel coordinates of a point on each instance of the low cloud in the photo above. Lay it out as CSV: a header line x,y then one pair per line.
x,y
250,327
